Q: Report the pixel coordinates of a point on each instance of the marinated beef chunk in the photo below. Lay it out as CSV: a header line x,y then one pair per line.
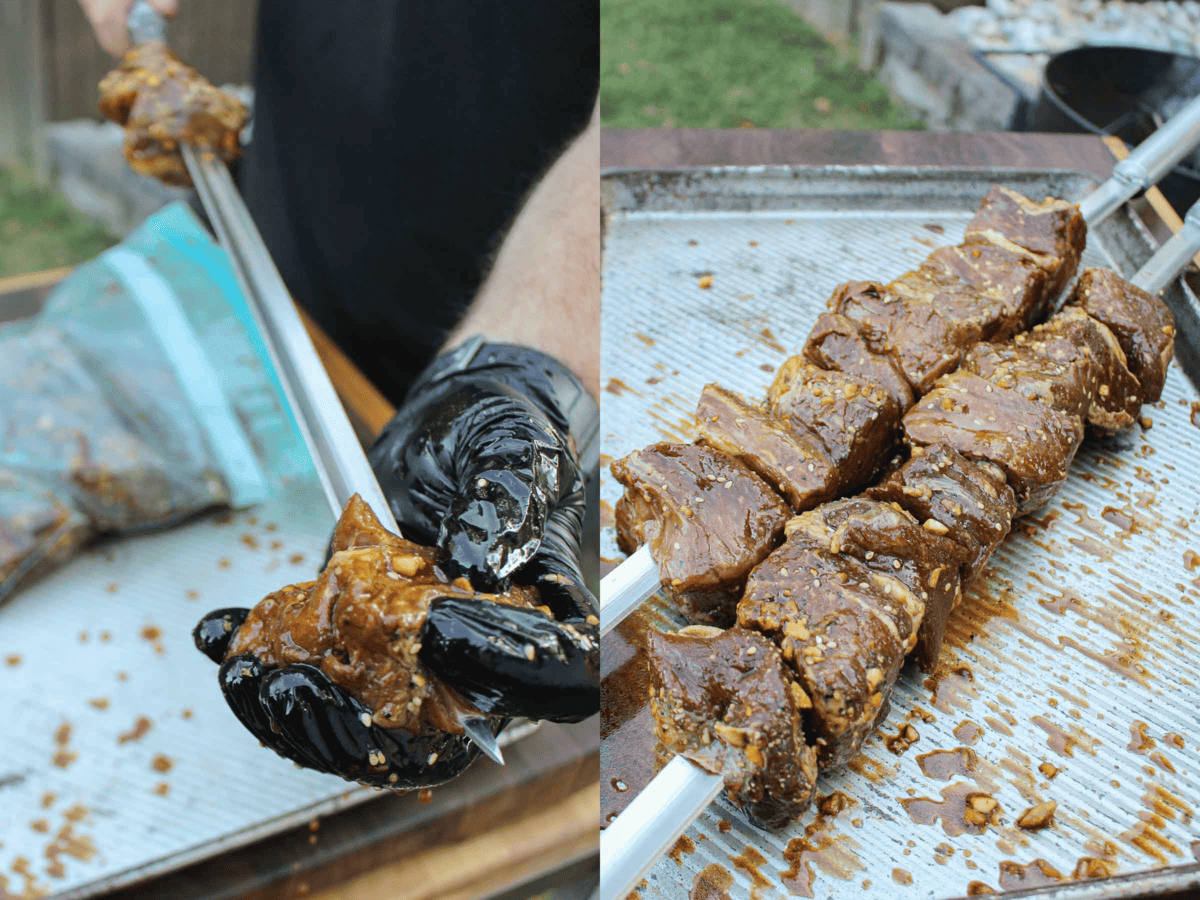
x,y
727,701
836,344
971,499
839,628
988,314
1012,278
1053,231
924,341
1142,324
1031,442
162,103
1115,393
707,518
1060,381
789,457
360,624
856,421
897,548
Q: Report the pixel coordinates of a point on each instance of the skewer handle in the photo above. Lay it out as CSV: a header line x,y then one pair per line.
x,y
1173,256
652,823
1147,164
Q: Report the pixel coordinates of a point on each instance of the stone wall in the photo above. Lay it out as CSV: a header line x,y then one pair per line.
x,y
917,52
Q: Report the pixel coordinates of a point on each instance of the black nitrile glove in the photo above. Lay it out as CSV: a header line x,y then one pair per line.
x,y
303,716
479,461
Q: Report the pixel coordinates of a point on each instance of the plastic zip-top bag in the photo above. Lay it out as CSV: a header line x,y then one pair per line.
x,y
138,397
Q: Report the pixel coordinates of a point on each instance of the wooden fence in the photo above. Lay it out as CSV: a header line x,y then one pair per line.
x,y
50,62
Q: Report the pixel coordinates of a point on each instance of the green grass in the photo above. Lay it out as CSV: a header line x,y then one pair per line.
x,y
730,64
39,231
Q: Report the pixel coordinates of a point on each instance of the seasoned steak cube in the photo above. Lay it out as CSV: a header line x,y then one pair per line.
x,y
1031,442
856,421
788,456
1053,231
162,103
839,629
836,344
1142,324
1010,275
360,623
969,498
897,548
707,518
1115,393
1024,366
727,701
987,314
925,342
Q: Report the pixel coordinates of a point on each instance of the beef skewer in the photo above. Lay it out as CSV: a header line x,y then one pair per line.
x,y
833,412
1037,367
845,597
638,577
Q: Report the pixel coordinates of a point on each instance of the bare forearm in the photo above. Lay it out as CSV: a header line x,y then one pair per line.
x,y
544,288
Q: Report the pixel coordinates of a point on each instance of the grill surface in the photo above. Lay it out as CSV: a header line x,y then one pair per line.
x,y
1069,671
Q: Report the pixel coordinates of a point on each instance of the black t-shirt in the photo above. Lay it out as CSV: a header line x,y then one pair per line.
x,y
392,143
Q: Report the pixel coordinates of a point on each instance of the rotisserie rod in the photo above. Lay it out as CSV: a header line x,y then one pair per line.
x,y
1034,367
638,577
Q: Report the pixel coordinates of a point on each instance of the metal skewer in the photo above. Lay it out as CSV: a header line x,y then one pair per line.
x,y
338,457
625,588
681,791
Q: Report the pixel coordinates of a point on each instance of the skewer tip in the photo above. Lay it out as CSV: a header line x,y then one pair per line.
x,y
480,733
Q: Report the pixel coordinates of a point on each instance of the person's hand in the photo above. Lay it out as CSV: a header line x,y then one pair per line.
x,y
479,461
306,718
108,19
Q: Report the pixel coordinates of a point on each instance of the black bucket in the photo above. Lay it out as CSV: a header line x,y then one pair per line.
x,y
1125,91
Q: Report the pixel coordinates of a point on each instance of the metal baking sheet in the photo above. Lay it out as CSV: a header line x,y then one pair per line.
x,y
1070,670
119,760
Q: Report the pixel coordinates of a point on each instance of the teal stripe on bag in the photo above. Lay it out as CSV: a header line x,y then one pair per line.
x,y
160,306
178,226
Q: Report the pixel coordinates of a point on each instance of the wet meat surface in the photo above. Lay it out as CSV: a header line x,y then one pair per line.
x,y
1032,443
708,520
727,701
969,498
844,631
856,421
1053,231
1033,368
924,341
1115,393
835,343
790,458
914,563
359,622
163,103
1144,328
1009,277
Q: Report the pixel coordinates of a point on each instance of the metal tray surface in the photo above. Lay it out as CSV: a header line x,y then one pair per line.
x,y
119,760
1070,670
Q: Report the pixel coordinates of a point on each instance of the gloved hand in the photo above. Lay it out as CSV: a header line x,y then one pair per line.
x,y
480,462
